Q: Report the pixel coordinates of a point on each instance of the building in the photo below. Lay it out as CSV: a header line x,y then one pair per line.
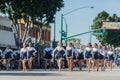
x,y
6,33
33,33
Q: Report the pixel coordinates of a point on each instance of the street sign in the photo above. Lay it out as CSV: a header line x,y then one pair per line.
x,y
111,25
103,31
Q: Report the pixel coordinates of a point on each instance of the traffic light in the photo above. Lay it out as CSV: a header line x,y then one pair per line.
x,y
64,34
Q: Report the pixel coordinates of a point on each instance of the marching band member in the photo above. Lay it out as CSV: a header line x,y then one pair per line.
x,y
95,52
74,55
60,51
24,56
105,57
110,58
88,55
101,57
80,56
31,54
8,55
69,56
48,56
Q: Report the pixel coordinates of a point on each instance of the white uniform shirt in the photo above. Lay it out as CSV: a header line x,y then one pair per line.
x,y
87,49
17,51
104,53
95,49
110,53
58,48
80,51
32,48
23,50
69,48
8,50
48,49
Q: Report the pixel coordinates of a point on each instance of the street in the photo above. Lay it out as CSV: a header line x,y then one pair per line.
x,y
63,75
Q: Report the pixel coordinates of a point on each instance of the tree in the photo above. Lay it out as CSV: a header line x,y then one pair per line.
x,y
32,12
112,36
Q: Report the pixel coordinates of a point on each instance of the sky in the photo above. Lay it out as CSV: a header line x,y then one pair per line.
x,y
81,20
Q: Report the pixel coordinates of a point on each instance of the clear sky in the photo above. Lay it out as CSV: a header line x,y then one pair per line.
x,y
80,21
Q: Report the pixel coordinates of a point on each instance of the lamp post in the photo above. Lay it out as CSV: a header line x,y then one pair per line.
x,y
62,15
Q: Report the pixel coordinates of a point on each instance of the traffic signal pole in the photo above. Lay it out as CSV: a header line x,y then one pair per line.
x,y
66,34
90,35
86,33
61,30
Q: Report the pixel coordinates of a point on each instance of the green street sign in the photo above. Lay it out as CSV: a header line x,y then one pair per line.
x,y
104,31
98,34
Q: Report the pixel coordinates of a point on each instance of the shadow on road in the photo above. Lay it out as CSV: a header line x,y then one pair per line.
x,y
30,74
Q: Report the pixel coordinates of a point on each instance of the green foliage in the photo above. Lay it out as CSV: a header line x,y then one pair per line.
x,y
38,12
112,37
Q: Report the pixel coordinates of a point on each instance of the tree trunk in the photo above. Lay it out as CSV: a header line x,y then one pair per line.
x,y
16,29
39,34
25,32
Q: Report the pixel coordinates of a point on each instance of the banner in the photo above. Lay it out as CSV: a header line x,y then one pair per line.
x,y
111,25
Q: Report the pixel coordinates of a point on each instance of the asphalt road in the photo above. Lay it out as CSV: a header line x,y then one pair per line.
x,y
63,75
